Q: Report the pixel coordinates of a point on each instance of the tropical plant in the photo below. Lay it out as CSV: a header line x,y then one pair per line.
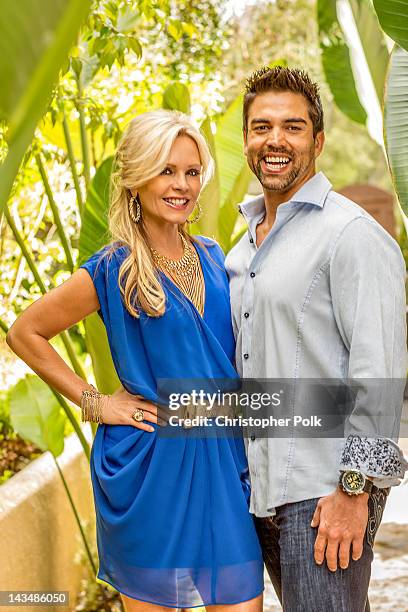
x,y
365,77
34,43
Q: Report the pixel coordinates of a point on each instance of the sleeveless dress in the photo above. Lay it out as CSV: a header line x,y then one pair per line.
x,y
172,518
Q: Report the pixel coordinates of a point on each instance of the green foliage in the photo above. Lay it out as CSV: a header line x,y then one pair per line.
x,y
94,228
109,35
373,42
36,414
176,96
7,474
5,424
336,62
193,35
233,169
94,235
35,38
393,17
210,196
396,123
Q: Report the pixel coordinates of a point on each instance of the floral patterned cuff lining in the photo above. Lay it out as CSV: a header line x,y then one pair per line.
x,y
380,458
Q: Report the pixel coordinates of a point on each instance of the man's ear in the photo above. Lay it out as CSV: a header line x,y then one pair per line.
x,y
319,143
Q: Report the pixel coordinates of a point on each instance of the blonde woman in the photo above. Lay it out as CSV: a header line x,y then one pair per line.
x,y
173,526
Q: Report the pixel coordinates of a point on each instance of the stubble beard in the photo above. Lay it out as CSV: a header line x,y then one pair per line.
x,y
277,183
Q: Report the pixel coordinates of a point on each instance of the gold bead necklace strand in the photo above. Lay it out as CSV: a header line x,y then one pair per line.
x,y
186,273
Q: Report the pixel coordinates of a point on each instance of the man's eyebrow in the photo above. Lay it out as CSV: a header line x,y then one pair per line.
x,y
260,120
289,120
295,120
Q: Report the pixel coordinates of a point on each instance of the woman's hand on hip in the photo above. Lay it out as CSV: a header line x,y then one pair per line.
x,y
120,407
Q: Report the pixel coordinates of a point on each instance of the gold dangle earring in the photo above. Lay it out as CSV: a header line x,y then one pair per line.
x,y
198,215
135,216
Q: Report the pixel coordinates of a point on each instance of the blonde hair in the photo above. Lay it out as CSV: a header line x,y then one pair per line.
x,y
142,154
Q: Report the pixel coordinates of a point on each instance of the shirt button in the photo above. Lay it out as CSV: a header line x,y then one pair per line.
x,y
246,315
252,274
253,438
251,240
246,356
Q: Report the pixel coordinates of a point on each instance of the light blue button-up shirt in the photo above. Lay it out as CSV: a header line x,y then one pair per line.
x,y
322,297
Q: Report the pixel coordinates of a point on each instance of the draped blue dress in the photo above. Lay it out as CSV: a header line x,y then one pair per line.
x,y
173,526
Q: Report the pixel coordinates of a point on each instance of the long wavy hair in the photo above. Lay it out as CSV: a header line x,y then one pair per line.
x,y
142,154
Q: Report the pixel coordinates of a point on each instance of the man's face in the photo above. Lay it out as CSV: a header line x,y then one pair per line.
x,y
279,143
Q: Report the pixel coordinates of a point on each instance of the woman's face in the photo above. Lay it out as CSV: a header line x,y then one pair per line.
x,y
171,196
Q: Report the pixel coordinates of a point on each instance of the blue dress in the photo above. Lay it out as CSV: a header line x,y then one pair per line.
x,y
173,526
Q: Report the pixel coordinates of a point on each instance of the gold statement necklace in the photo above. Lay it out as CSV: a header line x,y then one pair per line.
x,y
186,273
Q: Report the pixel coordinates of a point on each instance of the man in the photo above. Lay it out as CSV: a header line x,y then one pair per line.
x,y
317,291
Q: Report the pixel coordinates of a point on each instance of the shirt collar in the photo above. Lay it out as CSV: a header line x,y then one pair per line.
x,y
313,192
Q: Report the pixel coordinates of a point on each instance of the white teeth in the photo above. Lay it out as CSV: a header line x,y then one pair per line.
x,y
277,160
176,202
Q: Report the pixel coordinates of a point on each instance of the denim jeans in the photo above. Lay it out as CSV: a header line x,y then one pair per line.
x,y
287,541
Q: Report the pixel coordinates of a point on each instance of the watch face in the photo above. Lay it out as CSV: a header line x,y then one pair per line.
x,y
353,482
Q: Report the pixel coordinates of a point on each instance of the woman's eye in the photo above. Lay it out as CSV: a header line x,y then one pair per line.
x,y
194,172
166,171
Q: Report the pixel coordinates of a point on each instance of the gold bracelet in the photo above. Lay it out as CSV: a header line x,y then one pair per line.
x,y
91,405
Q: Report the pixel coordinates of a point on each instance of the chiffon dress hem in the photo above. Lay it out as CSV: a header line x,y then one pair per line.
x,y
155,603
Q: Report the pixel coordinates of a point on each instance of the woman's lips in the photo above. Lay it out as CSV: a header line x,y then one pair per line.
x,y
177,203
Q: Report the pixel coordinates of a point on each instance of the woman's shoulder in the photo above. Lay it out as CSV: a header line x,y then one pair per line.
x,y
108,255
214,249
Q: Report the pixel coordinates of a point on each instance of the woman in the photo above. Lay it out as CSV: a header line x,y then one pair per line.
x,y
173,526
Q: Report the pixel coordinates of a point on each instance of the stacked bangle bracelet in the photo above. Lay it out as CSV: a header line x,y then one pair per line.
x,y
91,405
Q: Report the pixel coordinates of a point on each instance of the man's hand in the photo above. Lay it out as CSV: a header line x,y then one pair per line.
x,y
342,521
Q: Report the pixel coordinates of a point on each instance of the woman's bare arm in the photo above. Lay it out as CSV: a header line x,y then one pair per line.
x,y
54,312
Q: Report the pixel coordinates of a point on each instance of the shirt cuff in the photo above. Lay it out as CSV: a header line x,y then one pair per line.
x,y
380,458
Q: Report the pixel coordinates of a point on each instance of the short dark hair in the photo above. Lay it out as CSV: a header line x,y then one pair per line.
x,y
280,78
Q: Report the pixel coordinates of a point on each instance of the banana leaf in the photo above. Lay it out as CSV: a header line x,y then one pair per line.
x,y
373,43
234,173
36,414
393,17
396,123
336,62
35,38
210,196
94,235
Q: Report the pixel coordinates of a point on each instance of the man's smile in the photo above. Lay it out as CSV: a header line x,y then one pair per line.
x,y
274,164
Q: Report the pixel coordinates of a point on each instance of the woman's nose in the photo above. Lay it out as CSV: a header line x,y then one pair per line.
x,y
180,182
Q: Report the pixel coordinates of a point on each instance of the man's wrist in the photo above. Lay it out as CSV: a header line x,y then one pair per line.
x,y
361,497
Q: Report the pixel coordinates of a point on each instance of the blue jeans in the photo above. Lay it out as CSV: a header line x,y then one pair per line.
x,y
287,541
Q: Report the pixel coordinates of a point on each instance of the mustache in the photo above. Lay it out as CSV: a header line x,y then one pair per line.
x,y
275,151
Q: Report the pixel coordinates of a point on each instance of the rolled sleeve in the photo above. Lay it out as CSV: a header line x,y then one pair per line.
x,y
367,283
380,458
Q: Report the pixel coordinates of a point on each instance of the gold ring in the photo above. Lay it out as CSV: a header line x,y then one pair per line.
x,y
138,415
